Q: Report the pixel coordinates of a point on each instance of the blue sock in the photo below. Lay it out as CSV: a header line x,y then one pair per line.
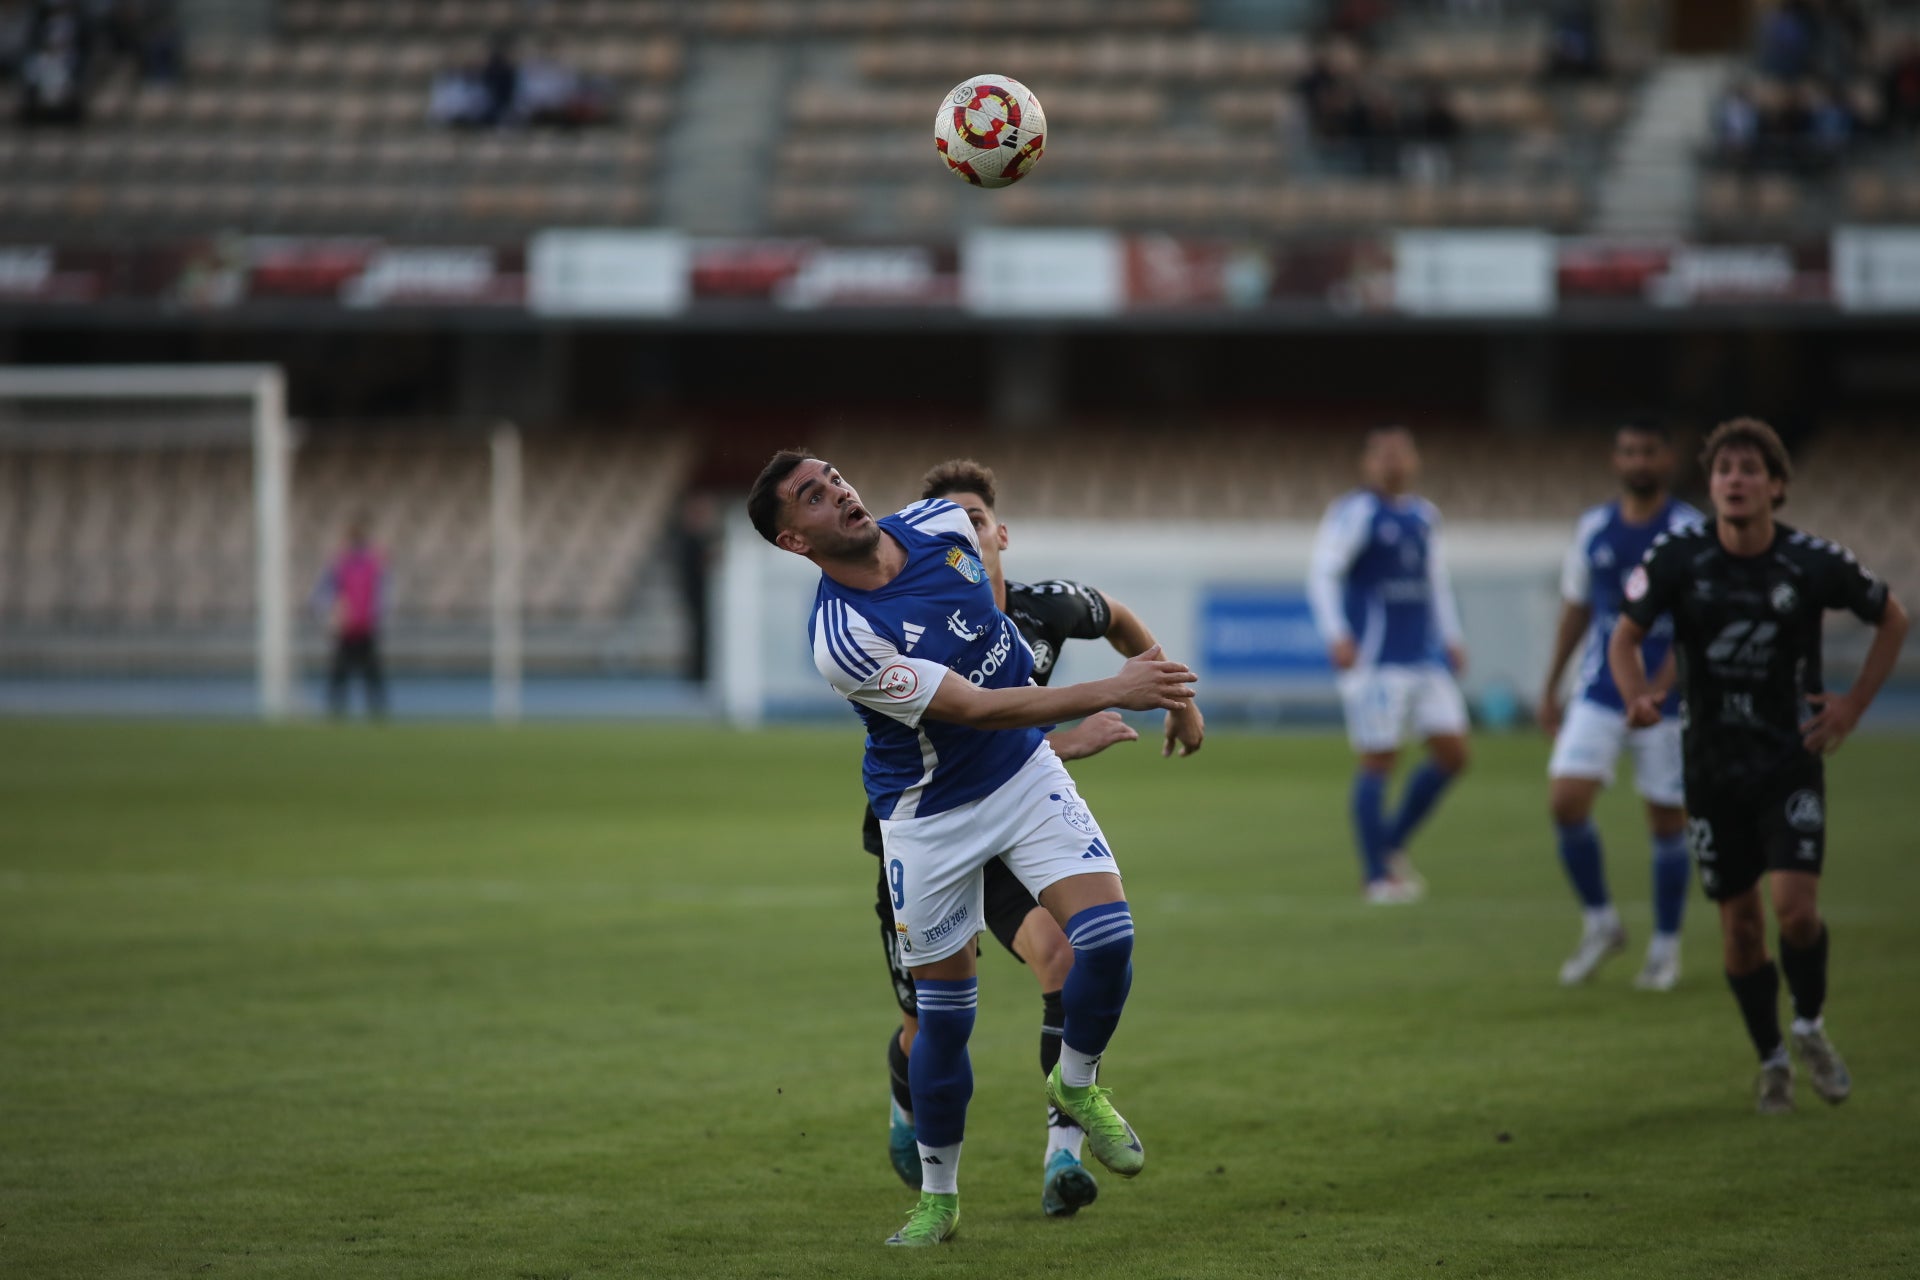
x,y
939,1073
1416,802
1369,822
1580,854
1672,869
1096,987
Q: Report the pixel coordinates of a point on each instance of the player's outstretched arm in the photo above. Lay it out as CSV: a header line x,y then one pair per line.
x,y
1091,736
1836,714
1629,668
1186,728
1146,683
1573,624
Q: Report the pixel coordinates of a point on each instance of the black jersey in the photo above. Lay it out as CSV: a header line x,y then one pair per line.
x,y
1047,614
1747,631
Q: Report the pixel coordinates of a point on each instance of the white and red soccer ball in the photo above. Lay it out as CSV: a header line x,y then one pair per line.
x,y
990,130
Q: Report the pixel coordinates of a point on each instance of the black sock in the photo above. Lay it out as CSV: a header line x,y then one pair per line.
x,y
1806,970
1759,996
1052,1019
897,1065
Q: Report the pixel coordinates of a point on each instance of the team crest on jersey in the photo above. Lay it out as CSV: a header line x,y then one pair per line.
x,y
1804,811
1043,657
905,938
966,566
1074,813
1784,598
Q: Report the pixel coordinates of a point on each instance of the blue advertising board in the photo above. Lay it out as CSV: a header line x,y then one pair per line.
x,y
1256,634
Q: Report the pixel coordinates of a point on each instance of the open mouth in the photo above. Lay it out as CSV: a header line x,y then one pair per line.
x,y
856,516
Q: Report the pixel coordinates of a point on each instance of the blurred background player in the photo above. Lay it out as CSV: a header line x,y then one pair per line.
x,y
1384,606
351,592
1610,540
1748,595
1047,614
960,773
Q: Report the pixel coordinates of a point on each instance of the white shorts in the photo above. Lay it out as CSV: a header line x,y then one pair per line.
x,y
1035,822
1590,740
1382,701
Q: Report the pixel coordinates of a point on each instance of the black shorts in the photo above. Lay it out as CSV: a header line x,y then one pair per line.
x,y
1008,905
1736,833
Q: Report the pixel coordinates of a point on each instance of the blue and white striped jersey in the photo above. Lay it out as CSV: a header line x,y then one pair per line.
x,y
1605,549
887,651
1378,578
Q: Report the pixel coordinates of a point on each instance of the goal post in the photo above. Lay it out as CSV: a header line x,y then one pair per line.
x,y
263,389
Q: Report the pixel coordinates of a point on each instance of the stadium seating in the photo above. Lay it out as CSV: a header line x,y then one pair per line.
x,y
162,538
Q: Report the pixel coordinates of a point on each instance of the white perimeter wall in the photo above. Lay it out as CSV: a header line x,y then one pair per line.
x,y
1226,599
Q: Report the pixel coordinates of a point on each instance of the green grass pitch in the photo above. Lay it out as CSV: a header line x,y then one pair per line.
x,y
595,1002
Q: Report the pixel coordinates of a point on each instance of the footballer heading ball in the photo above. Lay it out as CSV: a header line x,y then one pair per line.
x,y
990,130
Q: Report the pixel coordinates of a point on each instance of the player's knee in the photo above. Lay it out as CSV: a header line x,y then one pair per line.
x,y
1051,958
1799,922
1568,810
1450,755
1744,937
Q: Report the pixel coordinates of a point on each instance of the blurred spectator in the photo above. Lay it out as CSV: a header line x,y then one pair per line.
x,y
1900,87
499,82
53,71
696,542
1431,133
1573,41
1736,124
351,593
16,32
1786,40
1356,20
503,90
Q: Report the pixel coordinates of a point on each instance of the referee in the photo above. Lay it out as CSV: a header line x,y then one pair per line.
x,y
1747,595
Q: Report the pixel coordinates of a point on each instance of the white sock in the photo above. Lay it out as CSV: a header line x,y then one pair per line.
x,y
1662,945
1061,1137
1077,1068
1778,1058
1601,919
1802,1027
940,1169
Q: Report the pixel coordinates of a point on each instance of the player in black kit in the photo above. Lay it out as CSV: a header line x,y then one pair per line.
x,y
1047,614
1748,595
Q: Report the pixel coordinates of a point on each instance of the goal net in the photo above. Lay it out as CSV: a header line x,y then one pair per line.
x,y
164,528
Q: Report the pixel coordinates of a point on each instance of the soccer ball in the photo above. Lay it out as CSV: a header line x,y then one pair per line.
x,y
990,130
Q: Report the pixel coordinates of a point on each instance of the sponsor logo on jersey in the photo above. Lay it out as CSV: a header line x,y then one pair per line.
x,y
899,682
996,656
1603,556
1784,598
1043,657
945,927
966,566
958,625
1636,587
1804,811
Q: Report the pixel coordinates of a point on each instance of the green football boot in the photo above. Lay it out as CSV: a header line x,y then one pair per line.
x,y
1110,1138
932,1221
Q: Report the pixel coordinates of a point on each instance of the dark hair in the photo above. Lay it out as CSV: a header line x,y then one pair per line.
x,y
1386,429
1644,427
1750,433
959,475
763,500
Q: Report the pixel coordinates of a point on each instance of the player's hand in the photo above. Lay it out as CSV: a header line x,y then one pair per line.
x,y
1835,716
1643,712
1091,736
1342,654
1186,730
1457,658
1548,714
1148,682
